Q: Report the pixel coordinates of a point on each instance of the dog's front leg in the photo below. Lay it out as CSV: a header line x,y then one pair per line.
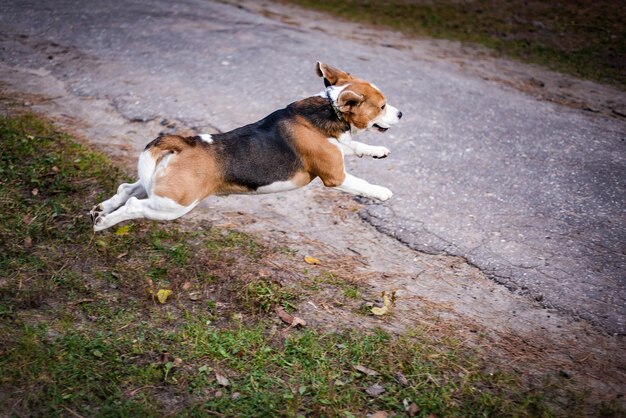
x,y
355,185
360,149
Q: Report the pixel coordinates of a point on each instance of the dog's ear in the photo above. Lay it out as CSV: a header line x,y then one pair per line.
x,y
348,99
332,76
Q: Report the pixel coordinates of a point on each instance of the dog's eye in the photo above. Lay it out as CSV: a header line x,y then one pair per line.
x,y
383,106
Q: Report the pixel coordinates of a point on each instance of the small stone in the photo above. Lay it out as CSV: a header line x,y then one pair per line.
x,y
566,374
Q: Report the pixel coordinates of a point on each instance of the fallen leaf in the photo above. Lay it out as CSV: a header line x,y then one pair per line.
x,y
186,285
380,311
378,414
311,260
365,370
163,294
28,242
194,296
413,410
298,322
79,301
292,321
375,390
35,191
221,379
387,302
122,231
401,378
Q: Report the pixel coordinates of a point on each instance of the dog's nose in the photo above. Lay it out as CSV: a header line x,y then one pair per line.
x,y
399,115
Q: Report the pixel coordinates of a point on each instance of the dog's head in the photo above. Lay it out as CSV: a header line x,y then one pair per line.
x,y
361,103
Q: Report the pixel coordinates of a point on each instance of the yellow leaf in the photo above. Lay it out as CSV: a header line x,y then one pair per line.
x,y
163,294
387,302
380,311
311,260
123,230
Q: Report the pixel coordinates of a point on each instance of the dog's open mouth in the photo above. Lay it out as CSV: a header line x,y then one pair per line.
x,y
380,128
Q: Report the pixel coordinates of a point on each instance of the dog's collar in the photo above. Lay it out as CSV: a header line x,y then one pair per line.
x,y
336,109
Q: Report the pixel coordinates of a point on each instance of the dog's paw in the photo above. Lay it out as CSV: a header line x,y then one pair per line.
x,y
99,224
382,193
380,152
95,213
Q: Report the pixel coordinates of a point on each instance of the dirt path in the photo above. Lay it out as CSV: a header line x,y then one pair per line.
x,y
444,292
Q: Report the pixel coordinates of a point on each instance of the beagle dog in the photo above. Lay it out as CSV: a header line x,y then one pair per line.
x,y
283,151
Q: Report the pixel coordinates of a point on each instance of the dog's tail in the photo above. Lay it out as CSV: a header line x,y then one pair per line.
x,y
157,153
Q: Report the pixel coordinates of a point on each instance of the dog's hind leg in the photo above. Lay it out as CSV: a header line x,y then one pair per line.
x,y
155,207
124,192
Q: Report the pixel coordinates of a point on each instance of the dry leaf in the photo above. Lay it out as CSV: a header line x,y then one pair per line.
x,y
298,322
292,321
163,294
413,409
378,414
35,191
375,390
365,370
221,379
122,231
28,242
401,378
311,260
387,302
380,311
194,296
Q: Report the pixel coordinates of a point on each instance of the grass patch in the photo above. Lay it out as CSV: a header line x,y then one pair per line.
x,y
586,39
83,333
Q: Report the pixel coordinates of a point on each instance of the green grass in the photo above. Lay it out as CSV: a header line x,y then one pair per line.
x,y
82,332
583,38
